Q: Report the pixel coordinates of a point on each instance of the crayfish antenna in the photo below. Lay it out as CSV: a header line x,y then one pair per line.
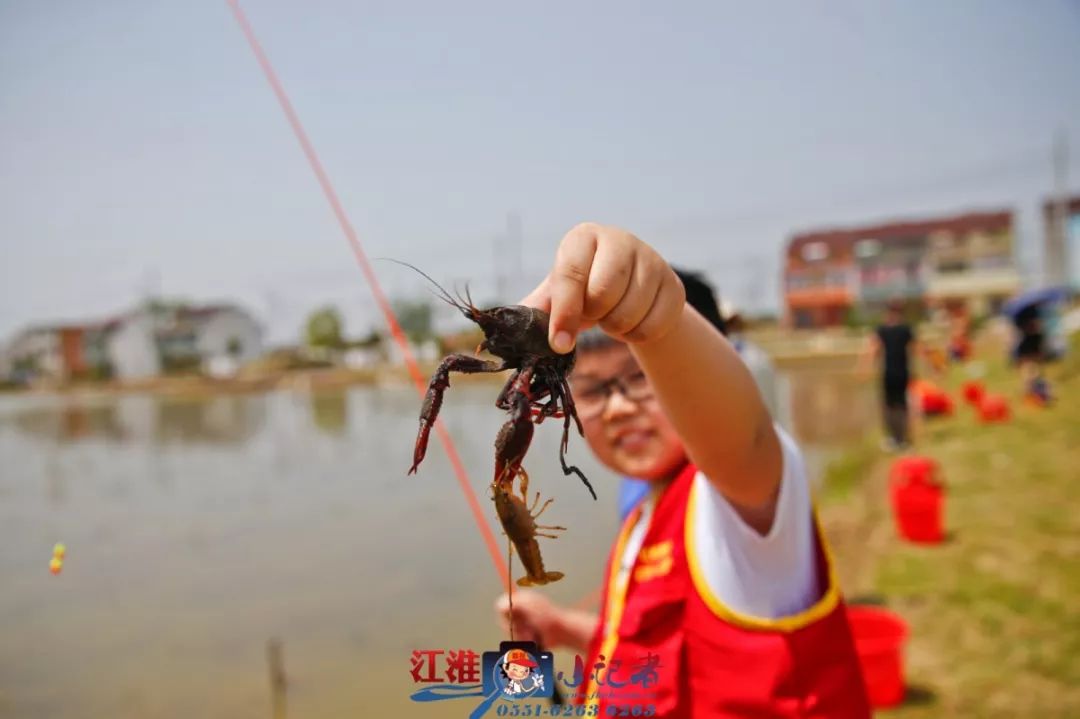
x,y
442,294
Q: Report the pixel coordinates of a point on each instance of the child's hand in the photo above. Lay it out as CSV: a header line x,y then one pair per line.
x,y
535,618
606,276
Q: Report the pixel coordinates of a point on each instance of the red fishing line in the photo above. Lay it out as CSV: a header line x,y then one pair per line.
x,y
373,283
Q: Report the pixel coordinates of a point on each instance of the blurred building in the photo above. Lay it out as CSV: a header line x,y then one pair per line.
x,y
1061,253
819,279
961,261
142,343
185,337
35,351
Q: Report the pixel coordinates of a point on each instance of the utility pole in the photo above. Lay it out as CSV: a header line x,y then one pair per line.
x,y
1055,260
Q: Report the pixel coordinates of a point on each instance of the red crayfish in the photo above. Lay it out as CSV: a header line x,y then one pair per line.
x,y
537,389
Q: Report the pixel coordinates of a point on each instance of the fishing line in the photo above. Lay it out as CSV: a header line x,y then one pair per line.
x,y
373,282
510,586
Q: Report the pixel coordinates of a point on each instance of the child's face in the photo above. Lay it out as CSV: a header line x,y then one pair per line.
x,y
631,435
517,671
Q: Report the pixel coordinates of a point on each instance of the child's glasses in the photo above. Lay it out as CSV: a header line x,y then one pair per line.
x,y
590,399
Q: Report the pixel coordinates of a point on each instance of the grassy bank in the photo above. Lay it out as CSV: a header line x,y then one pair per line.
x,y
995,611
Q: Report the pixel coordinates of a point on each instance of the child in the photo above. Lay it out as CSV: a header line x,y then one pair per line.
x,y
720,573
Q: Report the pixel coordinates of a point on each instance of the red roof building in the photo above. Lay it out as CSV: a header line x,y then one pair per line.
x,y
960,259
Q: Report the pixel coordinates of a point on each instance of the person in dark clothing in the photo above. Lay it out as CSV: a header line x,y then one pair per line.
x,y
1030,347
894,341
1030,353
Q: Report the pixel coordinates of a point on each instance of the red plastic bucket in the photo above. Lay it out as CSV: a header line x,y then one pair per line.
x,y
879,641
936,403
993,408
918,499
973,392
912,469
918,513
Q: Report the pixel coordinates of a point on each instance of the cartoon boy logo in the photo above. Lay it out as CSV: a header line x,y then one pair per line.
x,y
518,669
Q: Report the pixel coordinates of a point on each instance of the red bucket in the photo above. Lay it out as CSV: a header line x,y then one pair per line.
x,y
912,469
933,401
973,392
918,499
879,641
993,408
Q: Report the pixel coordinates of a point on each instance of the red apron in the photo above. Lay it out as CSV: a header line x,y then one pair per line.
x,y
713,661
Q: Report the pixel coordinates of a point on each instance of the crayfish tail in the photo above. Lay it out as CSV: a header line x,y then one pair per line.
x,y
547,578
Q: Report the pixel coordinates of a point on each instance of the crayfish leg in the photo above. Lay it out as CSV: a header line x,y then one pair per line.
x,y
546,505
524,486
571,469
503,401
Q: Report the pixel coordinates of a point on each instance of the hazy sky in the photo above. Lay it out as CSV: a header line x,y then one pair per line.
x,y
142,150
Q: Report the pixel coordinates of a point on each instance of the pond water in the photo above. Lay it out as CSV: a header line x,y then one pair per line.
x,y
199,529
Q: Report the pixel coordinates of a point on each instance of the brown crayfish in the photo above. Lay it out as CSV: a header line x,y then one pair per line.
x,y
537,389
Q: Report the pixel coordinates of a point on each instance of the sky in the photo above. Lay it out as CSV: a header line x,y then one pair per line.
x,y
143,153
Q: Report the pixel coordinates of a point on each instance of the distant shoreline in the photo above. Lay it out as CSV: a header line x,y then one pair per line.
x,y
310,380
786,350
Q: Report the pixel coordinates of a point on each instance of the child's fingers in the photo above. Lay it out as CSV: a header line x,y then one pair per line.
x,y
642,286
568,281
540,298
609,278
667,306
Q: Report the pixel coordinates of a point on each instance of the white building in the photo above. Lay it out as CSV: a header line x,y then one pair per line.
x,y
214,339
143,343
227,332
131,349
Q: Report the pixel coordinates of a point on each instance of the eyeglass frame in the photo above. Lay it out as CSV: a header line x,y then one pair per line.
x,y
618,383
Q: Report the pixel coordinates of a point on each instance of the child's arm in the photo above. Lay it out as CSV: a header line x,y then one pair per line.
x,y
606,276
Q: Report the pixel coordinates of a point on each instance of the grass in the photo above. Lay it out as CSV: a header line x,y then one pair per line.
x,y
995,611
846,471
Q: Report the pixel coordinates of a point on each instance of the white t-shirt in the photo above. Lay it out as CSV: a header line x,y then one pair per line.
x,y
765,576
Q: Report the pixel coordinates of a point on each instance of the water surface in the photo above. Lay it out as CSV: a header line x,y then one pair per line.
x,y
199,529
